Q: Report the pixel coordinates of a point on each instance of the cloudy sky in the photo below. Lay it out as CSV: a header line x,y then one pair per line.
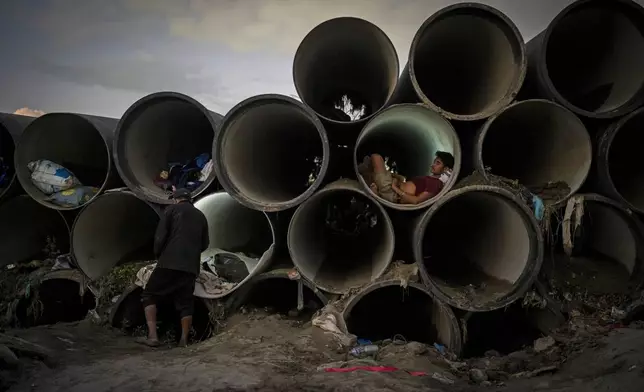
x,y
99,56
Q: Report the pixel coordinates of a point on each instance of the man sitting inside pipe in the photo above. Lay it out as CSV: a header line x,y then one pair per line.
x,y
181,237
394,188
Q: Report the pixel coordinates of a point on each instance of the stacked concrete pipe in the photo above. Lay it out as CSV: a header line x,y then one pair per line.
x,y
79,142
235,228
589,59
478,248
265,150
467,61
26,228
410,135
338,263
535,142
114,229
11,127
156,130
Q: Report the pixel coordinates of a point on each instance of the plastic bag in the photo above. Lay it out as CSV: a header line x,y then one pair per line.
x,y
51,177
74,197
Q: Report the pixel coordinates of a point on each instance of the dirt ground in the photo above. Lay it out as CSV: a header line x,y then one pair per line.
x,y
261,352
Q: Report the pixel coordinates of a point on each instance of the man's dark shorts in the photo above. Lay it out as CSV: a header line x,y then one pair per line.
x,y
167,283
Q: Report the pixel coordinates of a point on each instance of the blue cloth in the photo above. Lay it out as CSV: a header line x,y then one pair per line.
x,y
538,207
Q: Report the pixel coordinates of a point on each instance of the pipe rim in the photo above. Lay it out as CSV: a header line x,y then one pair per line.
x,y
512,91
18,156
126,173
298,53
4,128
542,68
529,273
222,174
479,165
603,153
119,191
410,207
456,342
341,185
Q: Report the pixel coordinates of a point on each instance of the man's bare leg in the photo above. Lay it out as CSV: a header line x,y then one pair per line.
x,y
151,318
186,325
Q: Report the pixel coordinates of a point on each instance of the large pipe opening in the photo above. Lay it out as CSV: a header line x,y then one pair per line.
x,y
468,61
164,132
115,229
7,148
80,143
478,248
345,57
272,152
606,256
340,238
592,55
242,240
621,174
128,316
409,137
28,231
58,298
538,143
385,309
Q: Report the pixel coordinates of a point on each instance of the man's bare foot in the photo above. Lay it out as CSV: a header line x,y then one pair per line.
x,y
182,343
147,342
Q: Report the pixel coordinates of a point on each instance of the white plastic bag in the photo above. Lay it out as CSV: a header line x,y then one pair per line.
x,y
51,177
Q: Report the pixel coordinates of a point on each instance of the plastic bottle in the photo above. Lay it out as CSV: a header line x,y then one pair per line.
x,y
364,351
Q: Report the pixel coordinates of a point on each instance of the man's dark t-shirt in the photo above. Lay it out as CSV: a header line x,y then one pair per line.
x,y
180,238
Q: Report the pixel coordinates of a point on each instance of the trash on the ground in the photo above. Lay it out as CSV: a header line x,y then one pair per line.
x,y
441,349
331,322
538,207
543,344
364,342
63,262
442,378
73,197
478,376
370,350
417,348
50,177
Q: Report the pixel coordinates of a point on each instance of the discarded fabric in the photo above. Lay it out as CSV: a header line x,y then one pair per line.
x,y
74,197
51,177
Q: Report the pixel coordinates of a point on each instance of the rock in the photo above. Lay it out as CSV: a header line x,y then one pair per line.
x,y
496,375
492,354
416,348
542,344
478,376
8,359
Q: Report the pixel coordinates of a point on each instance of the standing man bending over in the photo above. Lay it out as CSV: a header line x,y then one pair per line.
x,y
180,238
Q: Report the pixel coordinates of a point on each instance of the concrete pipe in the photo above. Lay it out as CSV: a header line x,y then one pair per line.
x,y
26,230
337,258
115,229
276,291
157,131
478,248
271,153
79,142
59,297
345,57
620,174
127,314
244,237
467,61
410,135
11,127
536,142
411,312
590,58
607,248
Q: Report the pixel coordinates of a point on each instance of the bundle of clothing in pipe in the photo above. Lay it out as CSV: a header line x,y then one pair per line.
x,y
5,173
189,175
60,185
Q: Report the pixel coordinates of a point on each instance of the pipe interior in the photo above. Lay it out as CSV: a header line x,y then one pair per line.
x,y
26,228
393,310
158,133
332,243
270,152
595,54
57,301
504,330
345,56
280,295
115,229
130,317
537,143
476,246
627,172
409,136
7,147
605,252
68,140
467,61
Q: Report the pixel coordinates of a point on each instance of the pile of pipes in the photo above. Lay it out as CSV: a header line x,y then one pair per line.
x,y
562,112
